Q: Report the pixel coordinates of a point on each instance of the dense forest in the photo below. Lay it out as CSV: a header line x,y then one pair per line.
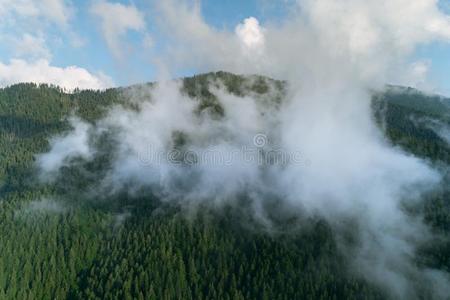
x,y
57,244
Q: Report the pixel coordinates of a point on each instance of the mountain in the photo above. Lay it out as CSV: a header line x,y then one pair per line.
x,y
58,244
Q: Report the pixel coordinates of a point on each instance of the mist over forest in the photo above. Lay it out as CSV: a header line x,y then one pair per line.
x,y
181,149
88,210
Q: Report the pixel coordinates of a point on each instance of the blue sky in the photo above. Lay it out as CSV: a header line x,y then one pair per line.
x,y
73,36
94,55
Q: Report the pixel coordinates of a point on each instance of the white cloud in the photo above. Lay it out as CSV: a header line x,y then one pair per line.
x,y
30,46
366,27
420,69
419,74
24,32
57,11
372,35
195,43
251,35
25,26
24,8
67,147
42,72
116,20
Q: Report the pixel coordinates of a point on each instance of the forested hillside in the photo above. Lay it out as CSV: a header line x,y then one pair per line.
x,y
58,243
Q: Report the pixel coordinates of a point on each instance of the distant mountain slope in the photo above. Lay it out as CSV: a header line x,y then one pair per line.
x,y
433,105
418,122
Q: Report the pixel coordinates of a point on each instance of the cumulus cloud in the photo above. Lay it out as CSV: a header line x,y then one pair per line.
x,y
24,32
250,34
116,20
41,71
